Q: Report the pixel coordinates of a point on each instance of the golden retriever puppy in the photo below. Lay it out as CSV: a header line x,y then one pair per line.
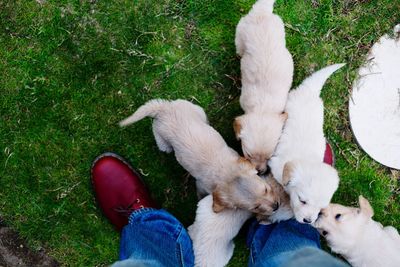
x,y
284,210
182,127
297,163
267,71
362,241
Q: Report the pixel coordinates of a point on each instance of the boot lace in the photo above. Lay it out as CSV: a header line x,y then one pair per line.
x,y
127,210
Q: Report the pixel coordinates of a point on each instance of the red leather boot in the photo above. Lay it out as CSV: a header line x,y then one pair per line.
x,y
329,157
119,189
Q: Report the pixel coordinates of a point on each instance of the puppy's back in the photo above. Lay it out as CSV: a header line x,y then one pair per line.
x,y
212,233
306,111
160,107
303,136
378,249
394,234
266,64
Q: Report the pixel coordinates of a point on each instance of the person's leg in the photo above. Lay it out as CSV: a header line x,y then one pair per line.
x,y
269,241
287,243
156,234
153,237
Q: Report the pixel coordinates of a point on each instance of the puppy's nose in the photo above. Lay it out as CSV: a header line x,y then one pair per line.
x,y
306,220
260,172
321,213
275,207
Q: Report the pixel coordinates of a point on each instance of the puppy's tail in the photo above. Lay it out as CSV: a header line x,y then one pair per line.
x,y
150,109
316,81
264,6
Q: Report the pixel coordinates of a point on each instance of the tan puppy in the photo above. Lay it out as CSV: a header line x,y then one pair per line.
x,y
267,71
362,241
284,212
182,127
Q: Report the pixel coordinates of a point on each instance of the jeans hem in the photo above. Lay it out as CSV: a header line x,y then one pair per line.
x,y
138,213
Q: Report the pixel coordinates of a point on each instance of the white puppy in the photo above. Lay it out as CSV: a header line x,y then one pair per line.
x,y
212,233
362,241
267,72
297,162
182,127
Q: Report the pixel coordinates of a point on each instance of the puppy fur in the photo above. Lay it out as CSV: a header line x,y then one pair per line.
x,y
284,211
297,162
212,233
362,241
182,127
267,72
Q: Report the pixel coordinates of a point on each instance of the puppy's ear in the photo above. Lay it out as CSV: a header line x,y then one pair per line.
x,y
243,160
287,173
276,187
237,127
218,202
284,116
246,165
365,207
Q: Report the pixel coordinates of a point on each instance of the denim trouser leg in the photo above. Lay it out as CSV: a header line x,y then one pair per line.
x,y
155,238
287,243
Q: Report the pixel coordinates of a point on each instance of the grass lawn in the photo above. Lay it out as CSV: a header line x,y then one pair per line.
x,y
70,70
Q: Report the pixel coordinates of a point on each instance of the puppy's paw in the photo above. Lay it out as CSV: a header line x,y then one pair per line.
x,y
262,219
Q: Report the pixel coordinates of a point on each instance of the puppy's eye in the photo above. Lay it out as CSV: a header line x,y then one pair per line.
x,y
337,217
256,208
324,233
266,190
302,201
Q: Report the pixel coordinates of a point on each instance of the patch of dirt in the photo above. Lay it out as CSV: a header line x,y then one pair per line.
x,y
14,252
189,29
314,3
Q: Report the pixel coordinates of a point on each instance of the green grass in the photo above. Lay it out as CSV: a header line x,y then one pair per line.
x,y
70,70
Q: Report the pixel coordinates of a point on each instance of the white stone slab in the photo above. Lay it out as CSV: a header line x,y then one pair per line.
x,y
374,106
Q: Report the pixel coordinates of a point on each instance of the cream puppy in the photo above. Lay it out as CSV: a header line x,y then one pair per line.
x,y
267,70
362,241
182,127
297,162
212,233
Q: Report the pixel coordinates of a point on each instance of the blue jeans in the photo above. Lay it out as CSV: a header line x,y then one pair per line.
x,y
156,238
288,244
